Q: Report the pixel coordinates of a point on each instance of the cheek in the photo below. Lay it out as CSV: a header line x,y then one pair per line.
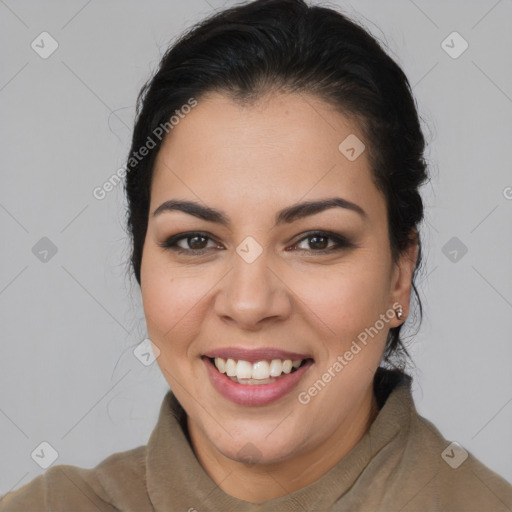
x,y
172,302
344,301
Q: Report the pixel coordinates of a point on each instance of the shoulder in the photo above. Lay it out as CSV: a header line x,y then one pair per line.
x,y
447,476
116,483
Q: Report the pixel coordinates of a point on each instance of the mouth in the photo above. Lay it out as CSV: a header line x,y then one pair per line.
x,y
258,373
257,378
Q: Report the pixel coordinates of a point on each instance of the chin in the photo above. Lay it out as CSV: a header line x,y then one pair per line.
x,y
250,449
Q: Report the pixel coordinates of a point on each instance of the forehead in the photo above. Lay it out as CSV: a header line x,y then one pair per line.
x,y
278,150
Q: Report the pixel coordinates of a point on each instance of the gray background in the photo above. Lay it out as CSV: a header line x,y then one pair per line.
x,y
68,375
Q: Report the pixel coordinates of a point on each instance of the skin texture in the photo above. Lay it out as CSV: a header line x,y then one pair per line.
x,y
250,162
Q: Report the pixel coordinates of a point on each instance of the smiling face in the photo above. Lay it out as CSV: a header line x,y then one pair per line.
x,y
258,276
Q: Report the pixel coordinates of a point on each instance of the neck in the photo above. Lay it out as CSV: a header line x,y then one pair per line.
x,y
257,483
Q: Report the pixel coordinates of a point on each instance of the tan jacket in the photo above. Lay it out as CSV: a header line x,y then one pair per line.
x,y
401,464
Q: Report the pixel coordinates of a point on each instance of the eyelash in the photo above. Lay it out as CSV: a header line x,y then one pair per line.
x,y
340,243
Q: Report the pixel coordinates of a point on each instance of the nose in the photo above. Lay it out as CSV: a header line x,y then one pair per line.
x,y
252,294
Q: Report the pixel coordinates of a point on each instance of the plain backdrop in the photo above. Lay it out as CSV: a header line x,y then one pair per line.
x,y
71,316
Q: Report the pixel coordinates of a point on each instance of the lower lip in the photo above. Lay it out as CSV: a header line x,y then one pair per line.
x,y
256,394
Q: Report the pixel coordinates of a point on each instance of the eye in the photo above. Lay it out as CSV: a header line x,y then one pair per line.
x,y
192,243
318,242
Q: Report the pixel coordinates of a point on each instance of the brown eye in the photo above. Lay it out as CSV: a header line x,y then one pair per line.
x,y
193,243
318,242
322,242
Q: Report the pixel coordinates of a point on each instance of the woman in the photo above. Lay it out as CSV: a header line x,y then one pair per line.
x,y
273,191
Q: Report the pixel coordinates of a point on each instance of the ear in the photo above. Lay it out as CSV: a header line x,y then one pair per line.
x,y
401,283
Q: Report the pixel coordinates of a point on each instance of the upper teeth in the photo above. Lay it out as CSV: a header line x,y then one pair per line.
x,y
261,370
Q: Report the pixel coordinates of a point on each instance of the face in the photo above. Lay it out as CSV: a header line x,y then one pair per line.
x,y
233,270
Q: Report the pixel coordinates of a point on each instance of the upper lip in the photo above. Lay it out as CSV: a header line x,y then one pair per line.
x,y
254,355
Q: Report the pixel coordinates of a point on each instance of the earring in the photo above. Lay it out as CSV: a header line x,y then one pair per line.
x,y
399,312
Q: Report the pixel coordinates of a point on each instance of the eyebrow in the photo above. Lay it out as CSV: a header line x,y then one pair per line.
x,y
285,216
